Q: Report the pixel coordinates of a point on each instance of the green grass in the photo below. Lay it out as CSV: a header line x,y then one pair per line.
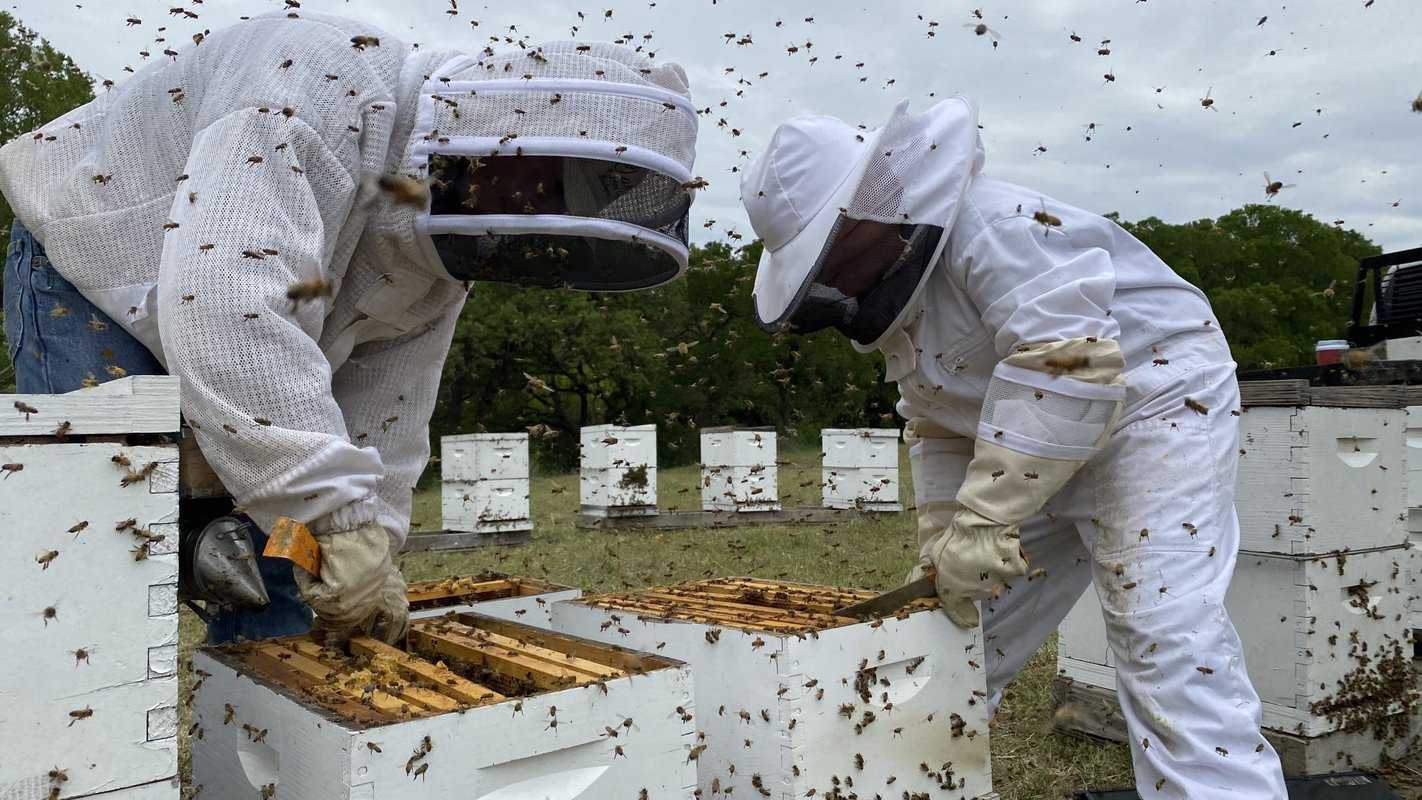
x,y
1029,759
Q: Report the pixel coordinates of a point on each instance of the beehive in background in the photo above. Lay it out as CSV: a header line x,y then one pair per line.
x,y
860,468
89,605
1315,479
793,702
618,472
485,482
738,469
505,597
478,708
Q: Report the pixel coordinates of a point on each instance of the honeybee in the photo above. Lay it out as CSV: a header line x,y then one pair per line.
x,y
10,469
1207,101
26,409
306,291
362,42
78,714
44,559
1196,406
1273,187
1417,103
78,526
1046,220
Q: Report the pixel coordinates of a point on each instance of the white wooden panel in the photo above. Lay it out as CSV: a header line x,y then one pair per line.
x,y
139,404
535,610
609,446
618,490
1083,634
860,447
1318,479
927,669
869,488
740,488
737,448
1303,625
121,612
481,456
486,506
1407,349
503,751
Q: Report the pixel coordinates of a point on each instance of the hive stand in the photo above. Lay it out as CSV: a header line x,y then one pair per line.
x,y
477,707
88,592
794,702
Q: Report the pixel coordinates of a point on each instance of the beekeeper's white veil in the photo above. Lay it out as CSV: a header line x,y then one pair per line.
x,y
611,135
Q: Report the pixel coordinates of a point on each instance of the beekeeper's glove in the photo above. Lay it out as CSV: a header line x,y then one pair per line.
x,y
359,590
971,557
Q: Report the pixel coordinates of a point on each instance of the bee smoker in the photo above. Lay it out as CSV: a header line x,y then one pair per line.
x,y
217,564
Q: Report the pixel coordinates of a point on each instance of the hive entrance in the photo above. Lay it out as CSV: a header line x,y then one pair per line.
x,y
474,589
450,663
764,606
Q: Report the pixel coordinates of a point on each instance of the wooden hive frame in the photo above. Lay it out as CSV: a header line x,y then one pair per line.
x,y
451,663
748,604
515,599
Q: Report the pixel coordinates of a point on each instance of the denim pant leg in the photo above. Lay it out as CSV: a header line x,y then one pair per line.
x,y
58,341
286,616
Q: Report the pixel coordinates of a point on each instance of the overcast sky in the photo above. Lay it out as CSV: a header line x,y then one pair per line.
x,y
1318,94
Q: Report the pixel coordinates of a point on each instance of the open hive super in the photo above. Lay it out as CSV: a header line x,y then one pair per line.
x,y
793,701
471,706
506,597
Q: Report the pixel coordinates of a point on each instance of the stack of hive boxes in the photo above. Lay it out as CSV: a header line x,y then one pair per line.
x,y
860,468
89,605
1319,596
485,483
618,476
738,469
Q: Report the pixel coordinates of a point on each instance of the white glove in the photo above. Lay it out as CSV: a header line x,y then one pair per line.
x,y
359,588
971,556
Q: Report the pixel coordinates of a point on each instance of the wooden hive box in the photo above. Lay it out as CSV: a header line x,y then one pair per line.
x,y
1323,638
793,702
505,597
1414,514
739,470
618,472
88,592
860,468
1316,479
485,486
475,708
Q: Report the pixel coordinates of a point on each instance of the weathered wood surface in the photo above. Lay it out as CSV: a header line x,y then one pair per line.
x,y
1300,393
140,404
429,541
1095,713
671,520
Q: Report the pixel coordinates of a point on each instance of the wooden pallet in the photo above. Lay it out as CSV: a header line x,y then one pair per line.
x,y
1301,393
451,664
745,603
1095,713
672,520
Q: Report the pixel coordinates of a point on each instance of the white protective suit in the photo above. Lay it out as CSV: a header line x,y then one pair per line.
x,y
1150,519
188,200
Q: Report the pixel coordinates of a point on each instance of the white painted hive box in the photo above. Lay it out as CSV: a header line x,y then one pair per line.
x,y
515,713
790,699
860,468
1307,631
739,470
485,485
618,475
88,593
1315,479
1414,512
505,597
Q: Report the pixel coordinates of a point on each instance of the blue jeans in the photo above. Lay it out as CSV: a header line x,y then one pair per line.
x,y
58,342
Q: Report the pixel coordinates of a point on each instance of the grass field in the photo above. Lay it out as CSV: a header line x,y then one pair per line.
x,y
1029,760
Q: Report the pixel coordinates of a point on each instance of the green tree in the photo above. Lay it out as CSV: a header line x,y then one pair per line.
x,y
37,84
1279,280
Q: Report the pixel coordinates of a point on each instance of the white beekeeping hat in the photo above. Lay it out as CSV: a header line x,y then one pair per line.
x,y
564,165
822,182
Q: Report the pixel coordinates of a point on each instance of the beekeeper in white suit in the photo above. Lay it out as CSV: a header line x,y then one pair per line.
x,y
220,215
1072,412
